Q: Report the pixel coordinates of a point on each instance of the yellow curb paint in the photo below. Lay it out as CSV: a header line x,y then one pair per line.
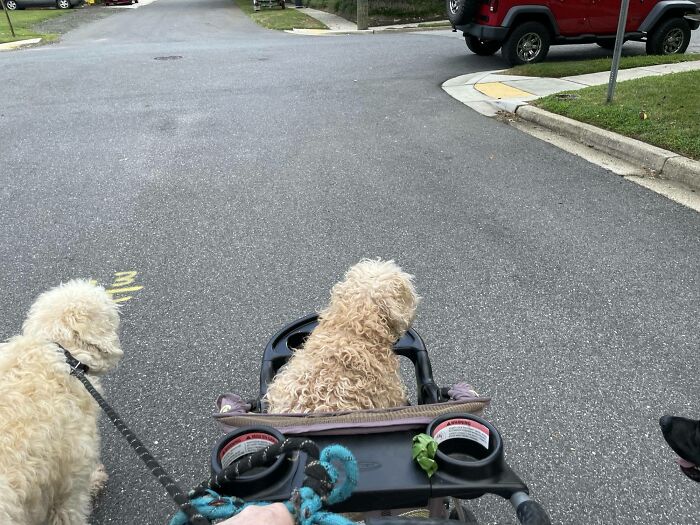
x,y
500,90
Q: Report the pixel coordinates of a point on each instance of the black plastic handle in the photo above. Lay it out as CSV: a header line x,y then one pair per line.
x,y
532,513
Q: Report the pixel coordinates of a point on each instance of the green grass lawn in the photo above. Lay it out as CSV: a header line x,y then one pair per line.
x,y
278,18
582,67
669,102
24,20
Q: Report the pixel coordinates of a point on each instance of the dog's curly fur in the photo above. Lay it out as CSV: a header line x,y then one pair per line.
x,y
347,363
49,443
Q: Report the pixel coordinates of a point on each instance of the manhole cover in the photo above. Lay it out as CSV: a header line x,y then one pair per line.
x,y
173,57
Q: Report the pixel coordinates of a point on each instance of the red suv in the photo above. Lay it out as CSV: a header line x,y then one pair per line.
x,y
525,29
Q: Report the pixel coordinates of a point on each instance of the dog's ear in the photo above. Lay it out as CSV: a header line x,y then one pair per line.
x,y
398,302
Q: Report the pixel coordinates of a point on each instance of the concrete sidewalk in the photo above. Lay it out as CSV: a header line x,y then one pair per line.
x,y
491,92
338,25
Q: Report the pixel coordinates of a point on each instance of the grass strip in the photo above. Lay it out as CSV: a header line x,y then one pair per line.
x,y
583,67
24,20
661,110
278,18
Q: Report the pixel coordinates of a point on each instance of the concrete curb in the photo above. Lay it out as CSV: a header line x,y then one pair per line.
x,y
370,31
18,43
327,32
411,29
665,164
683,169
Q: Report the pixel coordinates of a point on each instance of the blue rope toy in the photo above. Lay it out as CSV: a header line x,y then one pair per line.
x,y
305,505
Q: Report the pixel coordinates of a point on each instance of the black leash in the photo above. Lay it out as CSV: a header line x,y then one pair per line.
x,y
78,370
317,477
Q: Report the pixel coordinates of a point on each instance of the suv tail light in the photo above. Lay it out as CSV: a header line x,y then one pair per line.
x,y
493,6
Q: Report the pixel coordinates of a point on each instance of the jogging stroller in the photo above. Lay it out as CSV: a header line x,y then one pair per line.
x,y
392,488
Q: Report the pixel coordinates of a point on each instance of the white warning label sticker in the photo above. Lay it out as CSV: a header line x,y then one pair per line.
x,y
462,429
244,445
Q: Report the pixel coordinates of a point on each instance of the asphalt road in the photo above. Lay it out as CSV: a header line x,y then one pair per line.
x,y
243,178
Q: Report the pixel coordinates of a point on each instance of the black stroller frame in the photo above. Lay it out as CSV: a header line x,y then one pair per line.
x,y
389,478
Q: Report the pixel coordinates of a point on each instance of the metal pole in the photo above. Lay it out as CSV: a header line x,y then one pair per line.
x,y
9,22
619,40
362,14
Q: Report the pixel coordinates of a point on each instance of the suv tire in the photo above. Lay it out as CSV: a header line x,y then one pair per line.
x,y
528,43
482,48
460,12
670,37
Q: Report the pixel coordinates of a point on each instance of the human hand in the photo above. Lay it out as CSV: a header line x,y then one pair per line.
x,y
275,514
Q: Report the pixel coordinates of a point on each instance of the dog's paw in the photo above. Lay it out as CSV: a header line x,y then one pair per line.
x,y
98,480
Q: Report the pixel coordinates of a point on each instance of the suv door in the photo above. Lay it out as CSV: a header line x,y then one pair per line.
x,y
605,14
639,9
571,16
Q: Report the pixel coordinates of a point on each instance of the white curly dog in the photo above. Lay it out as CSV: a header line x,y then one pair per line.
x,y
348,363
49,443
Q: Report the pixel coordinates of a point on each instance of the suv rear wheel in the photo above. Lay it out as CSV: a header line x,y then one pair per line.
x,y
670,37
459,12
527,43
482,48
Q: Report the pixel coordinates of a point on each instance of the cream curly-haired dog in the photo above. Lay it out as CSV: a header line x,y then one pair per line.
x,y
347,363
49,444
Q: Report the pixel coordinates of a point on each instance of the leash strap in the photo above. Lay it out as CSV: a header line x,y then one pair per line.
x,y
171,487
261,458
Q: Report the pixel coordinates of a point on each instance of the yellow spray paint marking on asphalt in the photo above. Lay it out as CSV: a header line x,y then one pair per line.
x,y
501,90
120,286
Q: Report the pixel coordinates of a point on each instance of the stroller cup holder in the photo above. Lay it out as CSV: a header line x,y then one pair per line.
x,y
282,345
240,443
467,445
470,464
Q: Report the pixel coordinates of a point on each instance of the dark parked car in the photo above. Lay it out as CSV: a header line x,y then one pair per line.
x,y
59,4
